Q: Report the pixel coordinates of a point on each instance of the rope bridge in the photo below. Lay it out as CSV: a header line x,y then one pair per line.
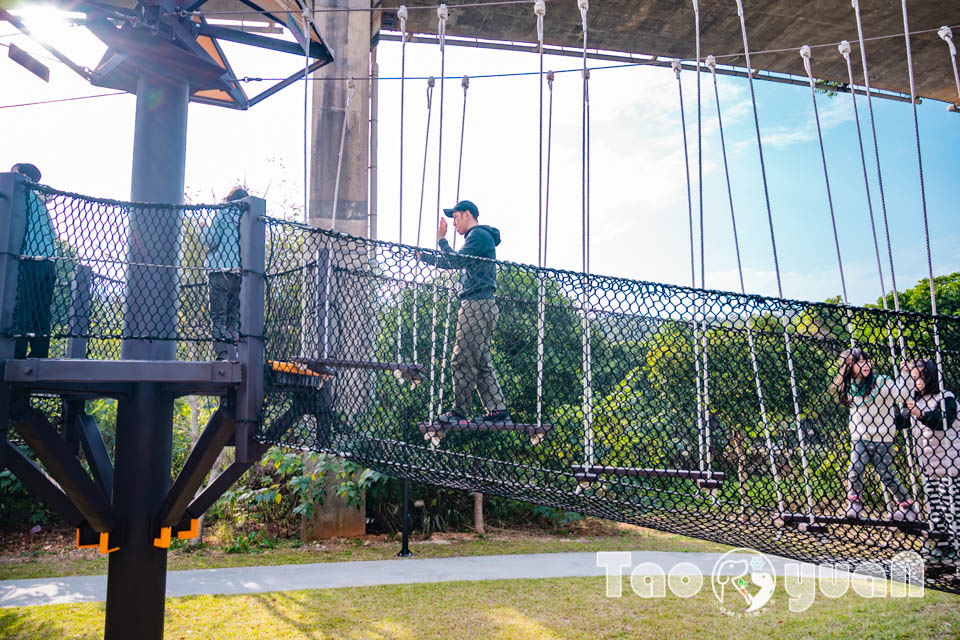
x,y
665,406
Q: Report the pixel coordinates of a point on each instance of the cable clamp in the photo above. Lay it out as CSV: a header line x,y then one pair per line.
x,y
431,82
844,49
402,14
540,8
946,34
676,66
711,63
805,53
550,77
465,83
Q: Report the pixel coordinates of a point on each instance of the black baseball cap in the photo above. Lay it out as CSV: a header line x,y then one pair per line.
x,y
26,169
237,193
463,205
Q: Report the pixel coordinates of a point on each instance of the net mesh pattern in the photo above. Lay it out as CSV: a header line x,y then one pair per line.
x,y
102,271
697,412
630,400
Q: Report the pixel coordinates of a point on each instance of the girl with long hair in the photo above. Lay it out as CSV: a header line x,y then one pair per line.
x,y
937,442
873,400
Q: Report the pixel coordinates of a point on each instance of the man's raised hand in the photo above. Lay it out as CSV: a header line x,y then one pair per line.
x,y
442,230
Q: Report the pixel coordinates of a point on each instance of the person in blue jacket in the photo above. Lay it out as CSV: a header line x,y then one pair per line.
x,y
221,238
38,272
471,365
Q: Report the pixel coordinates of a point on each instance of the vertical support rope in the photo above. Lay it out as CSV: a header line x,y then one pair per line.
x,y
876,151
305,18
585,247
431,82
946,34
546,198
705,410
540,10
701,445
402,14
465,83
801,437
805,53
844,49
351,90
712,65
442,15
926,226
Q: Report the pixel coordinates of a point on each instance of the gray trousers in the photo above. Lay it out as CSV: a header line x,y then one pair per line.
x,y
880,455
224,312
471,365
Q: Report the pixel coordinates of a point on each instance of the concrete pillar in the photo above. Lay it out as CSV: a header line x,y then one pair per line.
x,y
348,33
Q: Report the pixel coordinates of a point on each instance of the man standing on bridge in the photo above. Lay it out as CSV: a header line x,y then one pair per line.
x,y
471,365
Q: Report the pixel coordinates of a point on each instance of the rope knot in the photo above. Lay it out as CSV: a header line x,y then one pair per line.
x,y
711,63
550,76
403,14
584,6
540,8
676,66
740,8
442,15
946,34
844,49
805,54
465,83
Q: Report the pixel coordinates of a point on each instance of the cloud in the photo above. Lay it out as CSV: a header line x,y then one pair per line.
x,y
833,113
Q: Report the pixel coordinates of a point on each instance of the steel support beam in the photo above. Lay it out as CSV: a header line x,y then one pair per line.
x,y
199,463
42,485
252,327
95,451
56,456
226,479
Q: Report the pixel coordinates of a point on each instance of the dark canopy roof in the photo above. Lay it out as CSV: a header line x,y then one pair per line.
x,y
665,28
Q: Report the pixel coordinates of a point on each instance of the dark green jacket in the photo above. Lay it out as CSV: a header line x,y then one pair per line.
x,y
40,237
478,278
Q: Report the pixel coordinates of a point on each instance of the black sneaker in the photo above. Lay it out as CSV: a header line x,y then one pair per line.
x,y
450,417
498,417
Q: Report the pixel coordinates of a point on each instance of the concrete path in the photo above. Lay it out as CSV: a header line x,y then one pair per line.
x,y
331,575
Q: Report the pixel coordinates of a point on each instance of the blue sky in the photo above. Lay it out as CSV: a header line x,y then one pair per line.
x,y
639,208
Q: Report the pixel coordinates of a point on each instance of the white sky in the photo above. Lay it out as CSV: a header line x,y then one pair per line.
x,y
638,186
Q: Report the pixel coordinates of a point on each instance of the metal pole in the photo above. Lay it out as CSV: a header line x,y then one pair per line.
x,y
159,157
136,581
405,536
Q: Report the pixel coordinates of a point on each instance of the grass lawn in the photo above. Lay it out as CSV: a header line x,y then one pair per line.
x,y
58,557
521,609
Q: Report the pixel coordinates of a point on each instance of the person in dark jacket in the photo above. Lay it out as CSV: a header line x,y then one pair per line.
x,y
38,272
221,239
471,365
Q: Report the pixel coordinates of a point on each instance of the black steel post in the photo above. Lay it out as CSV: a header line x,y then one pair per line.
x,y
13,224
137,574
137,577
405,535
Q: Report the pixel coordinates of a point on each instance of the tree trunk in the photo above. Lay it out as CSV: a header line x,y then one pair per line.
x,y
478,525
